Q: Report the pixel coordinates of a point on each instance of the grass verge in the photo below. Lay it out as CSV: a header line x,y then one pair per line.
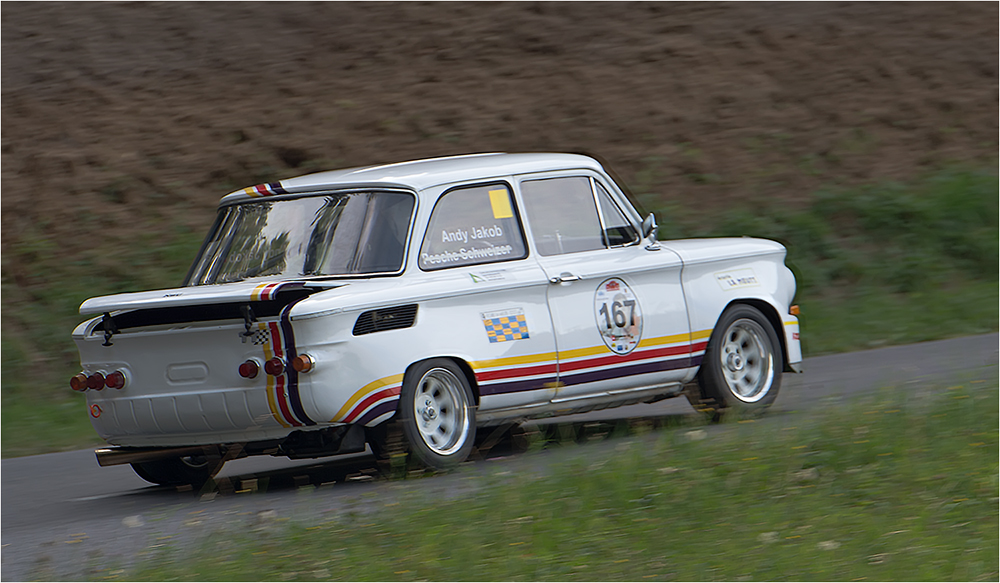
x,y
891,487
879,265
883,264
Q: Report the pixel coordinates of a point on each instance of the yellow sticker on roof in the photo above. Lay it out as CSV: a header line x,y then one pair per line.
x,y
500,201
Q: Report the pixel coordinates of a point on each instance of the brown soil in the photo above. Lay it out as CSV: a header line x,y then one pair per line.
x,y
110,110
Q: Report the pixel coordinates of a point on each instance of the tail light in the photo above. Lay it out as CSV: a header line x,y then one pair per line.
x,y
78,382
274,367
96,381
115,380
249,369
303,363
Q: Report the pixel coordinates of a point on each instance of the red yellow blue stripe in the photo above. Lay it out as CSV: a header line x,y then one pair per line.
x,y
378,398
268,189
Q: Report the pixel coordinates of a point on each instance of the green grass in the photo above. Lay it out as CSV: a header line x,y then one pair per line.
x,y
890,487
40,310
870,318
877,265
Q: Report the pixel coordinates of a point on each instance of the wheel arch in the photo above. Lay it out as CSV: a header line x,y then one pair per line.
x,y
773,318
462,364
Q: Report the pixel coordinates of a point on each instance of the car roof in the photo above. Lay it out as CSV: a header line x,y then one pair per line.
x,y
420,174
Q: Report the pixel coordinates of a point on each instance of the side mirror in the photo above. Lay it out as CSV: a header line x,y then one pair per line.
x,y
649,227
649,232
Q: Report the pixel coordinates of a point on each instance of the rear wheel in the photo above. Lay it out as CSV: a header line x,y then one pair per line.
x,y
741,369
437,412
193,470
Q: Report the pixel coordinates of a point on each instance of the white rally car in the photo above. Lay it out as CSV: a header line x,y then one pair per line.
x,y
432,297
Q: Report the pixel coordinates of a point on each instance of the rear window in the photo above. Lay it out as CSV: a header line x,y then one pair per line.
x,y
359,233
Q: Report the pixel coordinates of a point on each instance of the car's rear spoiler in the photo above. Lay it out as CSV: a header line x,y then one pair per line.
x,y
200,295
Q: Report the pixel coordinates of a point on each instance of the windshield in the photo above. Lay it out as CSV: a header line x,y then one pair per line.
x,y
339,234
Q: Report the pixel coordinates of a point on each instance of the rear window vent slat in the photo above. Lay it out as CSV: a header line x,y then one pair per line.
x,y
394,318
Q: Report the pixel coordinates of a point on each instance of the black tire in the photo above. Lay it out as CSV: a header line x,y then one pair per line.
x,y
195,470
438,414
741,369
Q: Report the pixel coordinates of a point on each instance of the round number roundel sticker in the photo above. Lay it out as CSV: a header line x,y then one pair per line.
x,y
619,319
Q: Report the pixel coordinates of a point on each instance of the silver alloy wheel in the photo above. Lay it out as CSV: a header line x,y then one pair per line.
x,y
440,410
747,360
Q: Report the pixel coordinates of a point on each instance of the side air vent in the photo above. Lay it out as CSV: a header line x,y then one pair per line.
x,y
394,318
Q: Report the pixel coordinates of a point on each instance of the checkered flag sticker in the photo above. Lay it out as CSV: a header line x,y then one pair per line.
x,y
261,337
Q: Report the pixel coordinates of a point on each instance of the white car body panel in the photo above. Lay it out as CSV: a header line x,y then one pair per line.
x,y
184,388
718,272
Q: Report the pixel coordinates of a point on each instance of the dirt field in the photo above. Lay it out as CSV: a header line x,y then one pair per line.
x,y
110,110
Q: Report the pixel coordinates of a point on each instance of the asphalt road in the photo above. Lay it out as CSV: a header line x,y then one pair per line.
x,y
62,515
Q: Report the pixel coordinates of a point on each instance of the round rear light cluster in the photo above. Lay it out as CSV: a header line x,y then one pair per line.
x,y
95,381
274,367
115,380
249,369
98,381
78,382
303,363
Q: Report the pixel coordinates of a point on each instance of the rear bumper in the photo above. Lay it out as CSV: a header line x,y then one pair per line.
x,y
320,442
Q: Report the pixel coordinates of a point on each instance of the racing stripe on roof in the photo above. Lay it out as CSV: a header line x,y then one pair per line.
x,y
267,189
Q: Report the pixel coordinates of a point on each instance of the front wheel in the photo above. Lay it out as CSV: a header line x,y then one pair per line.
x,y
437,412
741,369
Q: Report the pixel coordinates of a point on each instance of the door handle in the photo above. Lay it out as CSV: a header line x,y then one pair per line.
x,y
565,277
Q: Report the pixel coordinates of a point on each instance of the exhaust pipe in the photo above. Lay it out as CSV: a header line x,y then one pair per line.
x,y
114,456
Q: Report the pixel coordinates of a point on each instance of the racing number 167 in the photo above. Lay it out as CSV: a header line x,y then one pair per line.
x,y
617,313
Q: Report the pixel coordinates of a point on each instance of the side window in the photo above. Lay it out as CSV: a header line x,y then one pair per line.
x,y
616,227
563,215
470,226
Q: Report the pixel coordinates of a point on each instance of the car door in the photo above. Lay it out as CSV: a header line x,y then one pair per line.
x,y
617,306
491,307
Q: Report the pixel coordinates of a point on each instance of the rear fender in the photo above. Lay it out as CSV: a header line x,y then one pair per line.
x,y
462,364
